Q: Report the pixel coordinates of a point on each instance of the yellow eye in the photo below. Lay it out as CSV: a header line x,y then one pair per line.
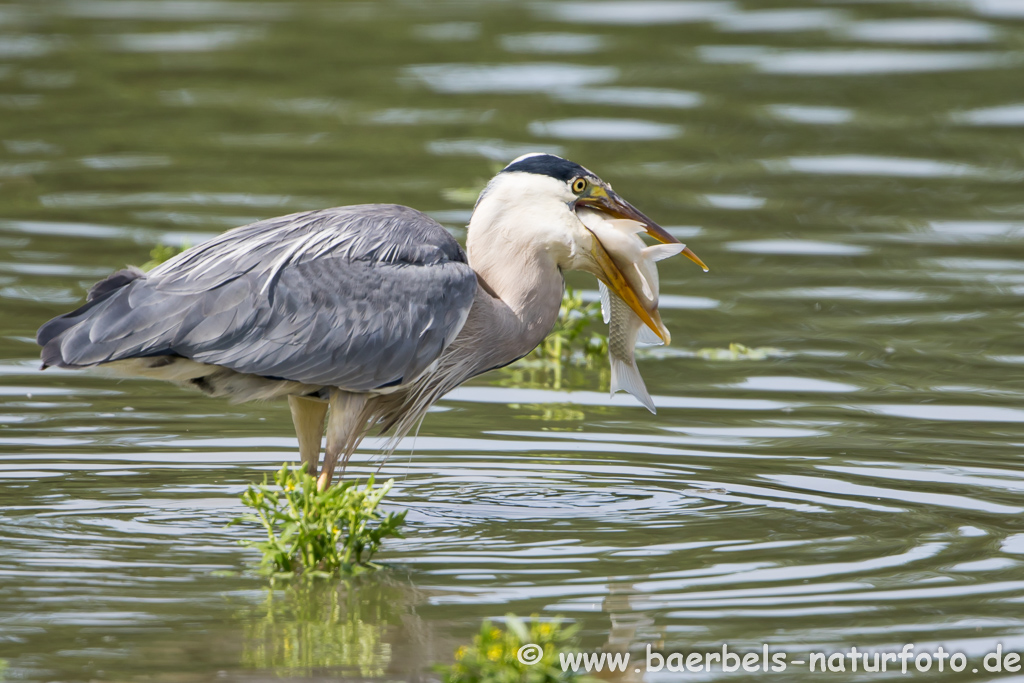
x,y
579,185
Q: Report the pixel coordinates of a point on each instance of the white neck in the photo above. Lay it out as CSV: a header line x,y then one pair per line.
x,y
519,241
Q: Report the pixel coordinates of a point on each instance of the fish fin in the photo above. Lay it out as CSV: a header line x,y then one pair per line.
x,y
627,377
646,335
648,292
660,252
606,303
626,225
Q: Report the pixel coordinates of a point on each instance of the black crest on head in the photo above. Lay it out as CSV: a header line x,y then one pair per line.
x,y
549,165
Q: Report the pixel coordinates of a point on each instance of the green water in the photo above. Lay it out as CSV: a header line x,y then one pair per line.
x,y
852,173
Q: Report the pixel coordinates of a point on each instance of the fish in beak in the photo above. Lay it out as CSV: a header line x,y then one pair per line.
x,y
619,270
636,262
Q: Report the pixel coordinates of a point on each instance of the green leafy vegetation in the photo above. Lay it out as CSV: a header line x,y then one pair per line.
x,y
494,655
572,343
161,253
318,533
739,352
572,340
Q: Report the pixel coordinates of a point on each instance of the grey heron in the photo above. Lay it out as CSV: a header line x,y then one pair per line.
x,y
362,316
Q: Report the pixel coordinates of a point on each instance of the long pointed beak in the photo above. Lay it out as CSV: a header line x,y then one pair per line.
x,y
608,202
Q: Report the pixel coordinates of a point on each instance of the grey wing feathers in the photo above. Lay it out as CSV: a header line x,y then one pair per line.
x,y
358,297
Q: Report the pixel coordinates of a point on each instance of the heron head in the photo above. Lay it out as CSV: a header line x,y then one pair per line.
x,y
541,193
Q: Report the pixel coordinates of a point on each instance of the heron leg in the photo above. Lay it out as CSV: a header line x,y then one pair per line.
x,y
308,416
344,427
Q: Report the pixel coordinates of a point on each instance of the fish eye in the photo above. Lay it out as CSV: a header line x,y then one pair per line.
x,y
579,185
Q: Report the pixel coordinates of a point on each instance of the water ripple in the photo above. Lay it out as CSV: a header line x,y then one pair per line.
x,y
508,78
1005,115
175,10
823,116
858,164
183,41
797,247
553,43
637,12
837,62
632,97
921,31
780,20
604,129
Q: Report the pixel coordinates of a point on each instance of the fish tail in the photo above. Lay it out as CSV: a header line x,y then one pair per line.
x,y
627,377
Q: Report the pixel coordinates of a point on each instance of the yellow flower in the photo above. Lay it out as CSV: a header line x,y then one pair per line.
x,y
545,629
494,653
460,653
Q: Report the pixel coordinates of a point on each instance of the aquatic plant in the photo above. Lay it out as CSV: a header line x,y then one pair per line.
x,y
739,352
496,655
318,533
572,343
571,339
161,253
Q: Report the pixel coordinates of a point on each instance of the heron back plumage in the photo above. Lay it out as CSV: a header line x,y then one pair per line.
x,y
359,297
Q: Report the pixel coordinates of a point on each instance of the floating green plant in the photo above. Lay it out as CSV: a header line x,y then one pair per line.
x,y
161,253
739,352
572,339
318,533
573,342
499,655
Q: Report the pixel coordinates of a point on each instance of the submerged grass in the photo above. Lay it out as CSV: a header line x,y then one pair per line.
x,y
572,343
572,340
317,533
497,655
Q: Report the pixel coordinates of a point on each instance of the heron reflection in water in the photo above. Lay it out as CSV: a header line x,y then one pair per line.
x,y
362,316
